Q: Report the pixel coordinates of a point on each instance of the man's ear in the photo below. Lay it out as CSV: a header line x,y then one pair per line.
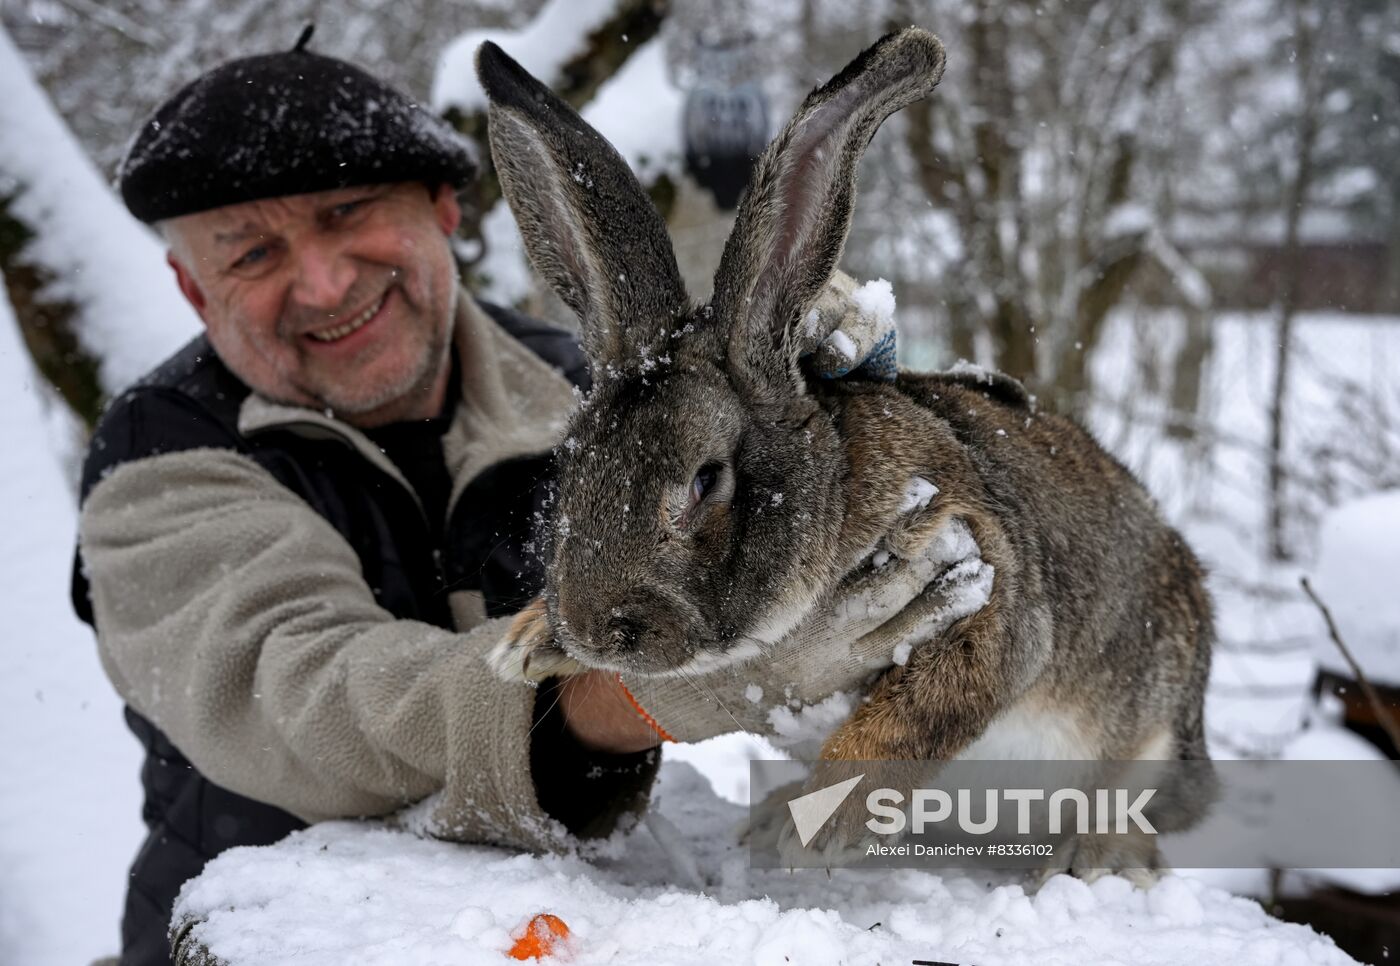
x,y
188,286
448,210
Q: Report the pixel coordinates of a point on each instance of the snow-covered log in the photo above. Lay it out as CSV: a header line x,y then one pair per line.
x,y
352,891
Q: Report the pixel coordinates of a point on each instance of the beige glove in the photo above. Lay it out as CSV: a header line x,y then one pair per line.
x,y
851,330
800,688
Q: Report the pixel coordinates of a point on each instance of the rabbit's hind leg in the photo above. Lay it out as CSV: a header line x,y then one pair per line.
x,y
1132,855
1090,856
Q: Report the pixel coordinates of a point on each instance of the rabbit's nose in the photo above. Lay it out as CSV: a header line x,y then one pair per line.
x,y
624,631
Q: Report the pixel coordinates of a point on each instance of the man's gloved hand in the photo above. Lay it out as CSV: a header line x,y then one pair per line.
x,y
848,333
804,685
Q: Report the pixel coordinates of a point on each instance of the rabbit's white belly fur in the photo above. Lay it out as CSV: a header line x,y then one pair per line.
x,y
1031,731
1027,731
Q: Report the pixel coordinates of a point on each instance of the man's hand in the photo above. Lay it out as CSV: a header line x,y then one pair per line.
x,y
850,334
600,714
806,684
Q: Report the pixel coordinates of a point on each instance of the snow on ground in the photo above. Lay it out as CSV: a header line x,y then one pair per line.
x,y
344,891
131,315
1358,572
70,799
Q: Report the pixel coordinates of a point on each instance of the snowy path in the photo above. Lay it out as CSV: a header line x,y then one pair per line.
x,y
341,892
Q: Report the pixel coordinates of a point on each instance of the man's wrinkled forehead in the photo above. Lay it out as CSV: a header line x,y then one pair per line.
x,y
234,224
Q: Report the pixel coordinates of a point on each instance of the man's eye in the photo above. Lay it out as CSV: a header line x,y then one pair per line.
x,y
251,257
345,209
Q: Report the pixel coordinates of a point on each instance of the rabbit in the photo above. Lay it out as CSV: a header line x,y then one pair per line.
x,y
710,493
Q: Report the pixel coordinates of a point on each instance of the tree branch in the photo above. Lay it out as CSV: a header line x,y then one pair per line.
x,y
46,323
1383,713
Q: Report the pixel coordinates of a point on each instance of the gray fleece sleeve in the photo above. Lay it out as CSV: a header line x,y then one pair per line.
x,y
237,620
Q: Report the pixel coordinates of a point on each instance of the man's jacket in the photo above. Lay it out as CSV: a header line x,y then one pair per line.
x,y
296,640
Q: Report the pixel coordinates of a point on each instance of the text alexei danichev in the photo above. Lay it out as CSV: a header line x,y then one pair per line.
x,y
974,851
962,851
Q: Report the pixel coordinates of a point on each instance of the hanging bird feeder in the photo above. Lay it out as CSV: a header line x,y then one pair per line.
x,y
725,119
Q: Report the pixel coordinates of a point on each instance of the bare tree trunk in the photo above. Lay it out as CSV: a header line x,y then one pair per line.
x,y
998,165
1187,373
1305,30
935,178
1114,264
1388,300
1115,269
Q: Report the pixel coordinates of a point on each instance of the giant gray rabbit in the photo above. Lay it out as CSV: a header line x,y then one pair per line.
x,y
710,493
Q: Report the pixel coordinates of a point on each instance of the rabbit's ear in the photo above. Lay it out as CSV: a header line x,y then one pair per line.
x,y
588,226
792,224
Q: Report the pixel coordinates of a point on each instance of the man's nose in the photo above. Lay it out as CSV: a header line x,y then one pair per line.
x,y
324,276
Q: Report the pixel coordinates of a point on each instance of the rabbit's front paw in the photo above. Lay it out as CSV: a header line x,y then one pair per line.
x,y
843,836
527,652
842,839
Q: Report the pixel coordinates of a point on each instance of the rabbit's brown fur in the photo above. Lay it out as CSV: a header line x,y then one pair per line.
x,y
1097,608
1097,620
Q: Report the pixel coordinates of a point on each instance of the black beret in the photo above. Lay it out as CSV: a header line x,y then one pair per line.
x,y
283,124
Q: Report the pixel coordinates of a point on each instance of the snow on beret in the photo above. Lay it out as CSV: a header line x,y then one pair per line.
x,y
281,124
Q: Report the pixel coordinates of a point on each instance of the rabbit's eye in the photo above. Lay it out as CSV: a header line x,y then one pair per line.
x,y
704,481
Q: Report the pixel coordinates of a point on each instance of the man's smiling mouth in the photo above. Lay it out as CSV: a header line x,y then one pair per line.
x,y
345,328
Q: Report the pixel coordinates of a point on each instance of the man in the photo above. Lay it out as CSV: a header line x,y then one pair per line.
x,y
302,533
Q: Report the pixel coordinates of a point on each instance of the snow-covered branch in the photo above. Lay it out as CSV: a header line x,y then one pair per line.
x,y
88,282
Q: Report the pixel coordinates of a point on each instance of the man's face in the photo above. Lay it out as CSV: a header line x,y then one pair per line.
x,y
337,300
